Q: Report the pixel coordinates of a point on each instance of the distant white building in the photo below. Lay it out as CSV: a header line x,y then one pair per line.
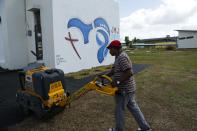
x,y
187,38
66,34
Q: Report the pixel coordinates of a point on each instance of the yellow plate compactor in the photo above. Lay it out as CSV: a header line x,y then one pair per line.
x,y
43,90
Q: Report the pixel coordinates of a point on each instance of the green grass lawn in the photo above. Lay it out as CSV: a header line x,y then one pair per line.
x,y
166,93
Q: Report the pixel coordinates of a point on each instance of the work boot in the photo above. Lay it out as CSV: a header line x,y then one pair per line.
x,y
112,129
139,129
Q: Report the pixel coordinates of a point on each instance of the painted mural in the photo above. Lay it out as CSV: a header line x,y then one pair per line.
x,y
101,27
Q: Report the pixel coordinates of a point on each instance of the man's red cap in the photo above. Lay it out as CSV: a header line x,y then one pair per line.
x,y
115,43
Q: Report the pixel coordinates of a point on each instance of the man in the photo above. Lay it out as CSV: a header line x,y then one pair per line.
x,y
124,80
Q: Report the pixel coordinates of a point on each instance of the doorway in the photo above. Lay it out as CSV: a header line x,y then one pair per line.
x,y
38,34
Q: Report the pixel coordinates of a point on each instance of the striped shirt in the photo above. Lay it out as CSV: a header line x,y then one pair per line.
x,y
121,64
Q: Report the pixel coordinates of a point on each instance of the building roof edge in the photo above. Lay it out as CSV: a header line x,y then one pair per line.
x,y
187,30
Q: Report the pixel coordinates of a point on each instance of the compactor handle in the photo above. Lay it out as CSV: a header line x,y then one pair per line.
x,y
102,76
102,88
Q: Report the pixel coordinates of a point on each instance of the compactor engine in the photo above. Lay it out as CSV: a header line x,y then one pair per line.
x,y
42,90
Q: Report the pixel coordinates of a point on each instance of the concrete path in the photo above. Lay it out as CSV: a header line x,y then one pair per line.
x,y
9,83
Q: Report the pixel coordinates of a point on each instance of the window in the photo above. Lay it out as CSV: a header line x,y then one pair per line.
x,y
190,37
182,38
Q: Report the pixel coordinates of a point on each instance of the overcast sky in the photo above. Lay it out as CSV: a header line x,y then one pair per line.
x,y
156,18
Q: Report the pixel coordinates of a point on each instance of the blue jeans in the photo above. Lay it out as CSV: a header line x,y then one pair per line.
x,y
122,101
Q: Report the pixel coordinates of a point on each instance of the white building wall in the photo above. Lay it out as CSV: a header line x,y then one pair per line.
x,y
187,43
57,16
2,31
83,14
14,39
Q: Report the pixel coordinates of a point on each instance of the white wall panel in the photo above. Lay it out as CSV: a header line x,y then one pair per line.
x,y
2,15
185,42
93,24
14,38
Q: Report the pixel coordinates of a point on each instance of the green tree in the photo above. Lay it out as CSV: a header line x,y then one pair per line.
x,y
134,40
127,41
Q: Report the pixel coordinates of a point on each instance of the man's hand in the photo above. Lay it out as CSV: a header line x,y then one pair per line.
x,y
114,83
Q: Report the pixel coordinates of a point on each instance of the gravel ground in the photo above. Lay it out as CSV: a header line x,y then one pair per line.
x,y
9,83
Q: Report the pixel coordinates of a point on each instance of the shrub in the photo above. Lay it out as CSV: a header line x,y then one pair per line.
x,y
170,47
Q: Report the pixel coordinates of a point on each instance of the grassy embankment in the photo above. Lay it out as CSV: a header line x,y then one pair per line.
x,y
166,93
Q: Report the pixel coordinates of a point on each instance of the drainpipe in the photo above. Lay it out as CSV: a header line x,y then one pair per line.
x,y
177,42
